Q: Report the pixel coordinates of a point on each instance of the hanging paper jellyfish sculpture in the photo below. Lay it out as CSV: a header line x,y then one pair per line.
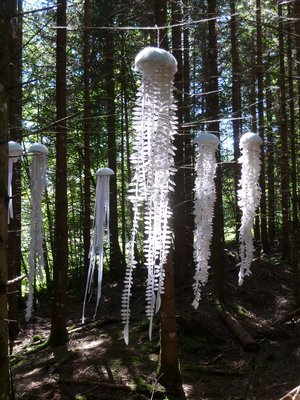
x,y
38,179
101,223
14,152
248,197
205,196
153,167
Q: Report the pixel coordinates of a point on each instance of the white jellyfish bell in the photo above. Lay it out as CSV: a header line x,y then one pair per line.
x,y
205,196
153,166
248,197
14,153
100,228
38,180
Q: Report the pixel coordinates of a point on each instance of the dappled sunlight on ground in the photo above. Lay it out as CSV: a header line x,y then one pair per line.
x,y
96,363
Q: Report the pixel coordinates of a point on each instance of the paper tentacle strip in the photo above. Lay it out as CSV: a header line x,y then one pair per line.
x,y
14,151
100,228
249,195
205,196
38,180
153,166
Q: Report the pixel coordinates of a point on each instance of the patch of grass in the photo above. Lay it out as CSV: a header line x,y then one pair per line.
x,y
18,361
240,310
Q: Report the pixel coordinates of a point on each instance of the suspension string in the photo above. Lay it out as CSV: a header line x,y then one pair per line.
x,y
157,36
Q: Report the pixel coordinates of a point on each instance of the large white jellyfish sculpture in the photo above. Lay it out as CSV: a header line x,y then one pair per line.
x,y
14,152
205,196
153,167
38,180
248,197
100,227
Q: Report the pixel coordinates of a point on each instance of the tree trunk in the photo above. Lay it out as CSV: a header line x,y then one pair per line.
x,y
59,334
179,225
168,372
189,177
236,109
270,163
253,111
295,219
212,112
117,261
284,142
4,98
160,17
15,133
86,130
297,55
260,109
125,175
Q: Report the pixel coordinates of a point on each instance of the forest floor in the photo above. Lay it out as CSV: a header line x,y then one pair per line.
x,y
96,364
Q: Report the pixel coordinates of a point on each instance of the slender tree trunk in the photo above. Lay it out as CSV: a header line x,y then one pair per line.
x,y
297,59
124,136
295,218
236,108
15,126
117,261
189,178
270,165
59,334
212,109
4,99
160,17
253,111
86,129
168,371
260,109
180,245
284,143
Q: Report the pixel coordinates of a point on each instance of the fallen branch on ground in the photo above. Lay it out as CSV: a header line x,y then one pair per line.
x,y
248,343
94,324
287,317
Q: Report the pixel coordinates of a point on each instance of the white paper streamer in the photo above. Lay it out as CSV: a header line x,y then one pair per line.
x,y
101,226
153,165
38,180
14,151
205,196
248,197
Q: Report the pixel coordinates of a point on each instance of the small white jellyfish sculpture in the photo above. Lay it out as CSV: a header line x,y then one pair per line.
x,y
205,196
14,153
153,166
38,180
248,197
100,227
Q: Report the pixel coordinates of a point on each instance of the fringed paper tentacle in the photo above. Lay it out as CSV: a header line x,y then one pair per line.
x,y
248,198
9,186
153,166
14,152
38,181
205,196
100,227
